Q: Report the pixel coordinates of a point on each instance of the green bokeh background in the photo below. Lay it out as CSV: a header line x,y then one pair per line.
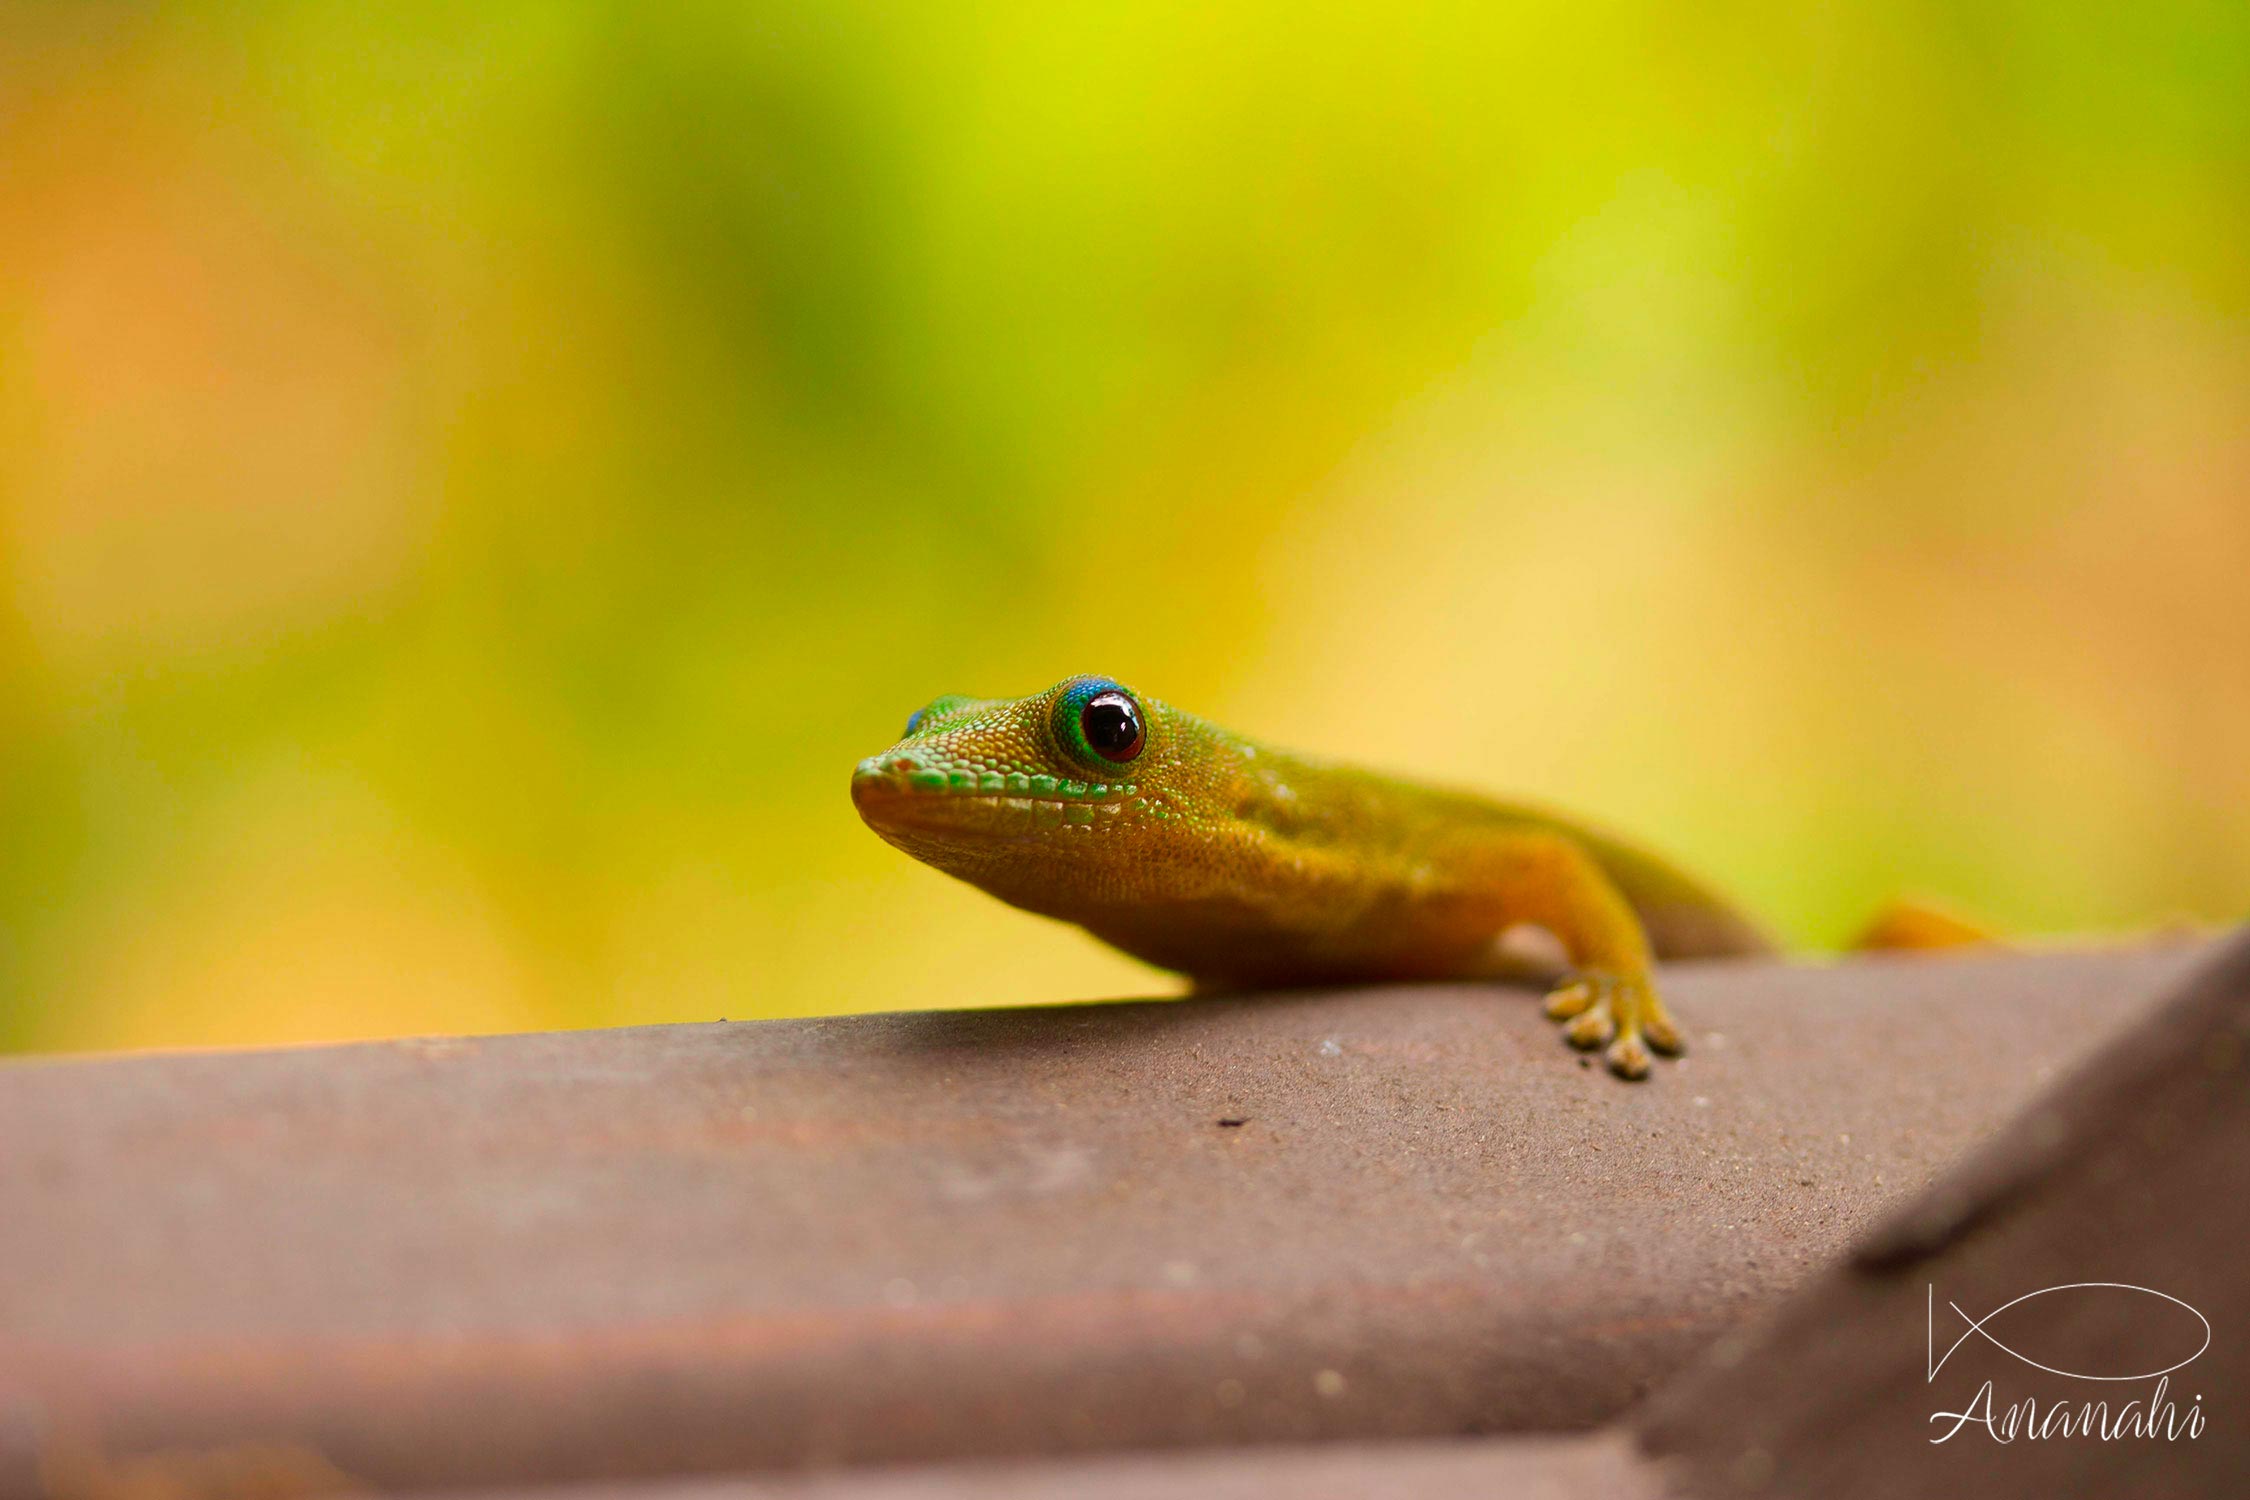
x,y
474,478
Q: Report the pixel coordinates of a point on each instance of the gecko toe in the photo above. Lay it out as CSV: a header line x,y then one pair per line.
x,y
1662,1034
1628,1058
1592,1029
1572,999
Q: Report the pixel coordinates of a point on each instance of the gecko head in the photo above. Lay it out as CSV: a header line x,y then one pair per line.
x,y
1036,799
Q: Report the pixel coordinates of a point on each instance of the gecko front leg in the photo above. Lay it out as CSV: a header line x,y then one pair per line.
x,y
1608,999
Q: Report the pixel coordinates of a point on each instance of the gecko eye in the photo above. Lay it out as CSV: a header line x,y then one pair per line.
x,y
914,720
1111,723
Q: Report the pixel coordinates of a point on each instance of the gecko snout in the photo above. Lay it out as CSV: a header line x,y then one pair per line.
x,y
890,778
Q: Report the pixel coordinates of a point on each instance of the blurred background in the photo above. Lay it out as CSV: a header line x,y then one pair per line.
x,y
473,479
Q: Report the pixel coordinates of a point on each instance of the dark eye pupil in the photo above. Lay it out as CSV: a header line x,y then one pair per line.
x,y
1112,725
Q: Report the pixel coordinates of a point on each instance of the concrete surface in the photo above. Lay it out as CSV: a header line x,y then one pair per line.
x,y
756,1247
1600,1466
2134,1173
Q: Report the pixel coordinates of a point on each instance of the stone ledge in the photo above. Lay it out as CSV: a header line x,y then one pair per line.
x,y
880,1239
1600,1466
2125,1185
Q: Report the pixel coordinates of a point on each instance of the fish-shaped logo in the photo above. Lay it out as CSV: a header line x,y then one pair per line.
x,y
2173,1333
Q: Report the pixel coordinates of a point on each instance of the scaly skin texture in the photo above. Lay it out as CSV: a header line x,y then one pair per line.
x,y
1246,867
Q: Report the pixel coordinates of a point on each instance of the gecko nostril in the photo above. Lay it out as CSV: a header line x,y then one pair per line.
x,y
906,765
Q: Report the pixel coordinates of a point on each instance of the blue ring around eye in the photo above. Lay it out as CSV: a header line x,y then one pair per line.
x,y
914,720
1063,724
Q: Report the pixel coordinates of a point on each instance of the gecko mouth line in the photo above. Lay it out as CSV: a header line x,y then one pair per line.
x,y
892,799
890,785
976,813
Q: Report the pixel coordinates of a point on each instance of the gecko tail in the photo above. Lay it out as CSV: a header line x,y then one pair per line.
x,y
1916,926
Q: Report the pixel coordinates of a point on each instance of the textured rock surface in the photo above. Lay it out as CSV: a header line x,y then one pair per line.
x,y
1602,1466
710,1247
2134,1173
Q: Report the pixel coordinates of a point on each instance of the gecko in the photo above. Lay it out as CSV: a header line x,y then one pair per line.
x,y
1245,867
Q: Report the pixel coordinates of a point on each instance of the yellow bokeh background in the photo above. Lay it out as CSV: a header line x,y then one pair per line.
x,y
473,479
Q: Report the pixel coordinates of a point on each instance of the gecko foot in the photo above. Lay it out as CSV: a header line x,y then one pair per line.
x,y
1620,1015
